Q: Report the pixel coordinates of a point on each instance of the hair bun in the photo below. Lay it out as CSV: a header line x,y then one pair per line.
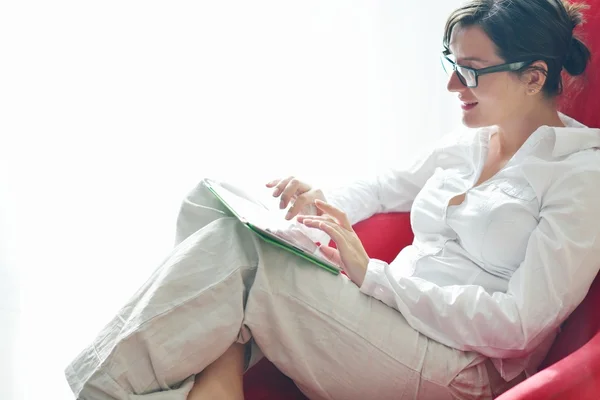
x,y
577,58
578,55
574,12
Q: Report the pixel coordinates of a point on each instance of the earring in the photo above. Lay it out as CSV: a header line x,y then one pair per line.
x,y
531,90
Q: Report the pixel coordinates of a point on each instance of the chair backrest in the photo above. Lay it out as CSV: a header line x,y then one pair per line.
x,y
581,96
581,100
578,329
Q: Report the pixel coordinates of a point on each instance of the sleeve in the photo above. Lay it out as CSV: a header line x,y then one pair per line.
x,y
561,261
395,189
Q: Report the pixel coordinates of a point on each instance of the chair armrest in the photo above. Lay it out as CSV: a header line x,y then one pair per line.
x,y
384,235
576,377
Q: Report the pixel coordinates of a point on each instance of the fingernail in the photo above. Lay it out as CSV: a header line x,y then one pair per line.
x,y
281,204
275,192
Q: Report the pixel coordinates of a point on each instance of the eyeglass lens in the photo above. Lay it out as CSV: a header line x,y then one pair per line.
x,y
466,76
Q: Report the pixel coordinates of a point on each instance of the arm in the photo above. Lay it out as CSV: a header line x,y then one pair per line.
x,y
395,189
560,263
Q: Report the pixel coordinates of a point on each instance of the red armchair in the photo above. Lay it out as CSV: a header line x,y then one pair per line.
x,y
571,371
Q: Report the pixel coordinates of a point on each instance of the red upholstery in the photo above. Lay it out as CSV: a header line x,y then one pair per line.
x,y
581,98
576,375
265,382
384,235
572,368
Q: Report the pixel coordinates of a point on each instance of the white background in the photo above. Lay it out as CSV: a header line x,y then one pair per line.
x,y
111,111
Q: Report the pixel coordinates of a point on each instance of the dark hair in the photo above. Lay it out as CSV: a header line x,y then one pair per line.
x,y
529,30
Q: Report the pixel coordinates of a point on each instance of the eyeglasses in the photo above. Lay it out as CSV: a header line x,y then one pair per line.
x,y
470,76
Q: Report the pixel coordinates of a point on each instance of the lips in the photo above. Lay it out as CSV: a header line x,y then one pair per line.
x,y
468,105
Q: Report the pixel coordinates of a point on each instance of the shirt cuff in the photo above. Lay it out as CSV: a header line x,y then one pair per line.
x,y
375,278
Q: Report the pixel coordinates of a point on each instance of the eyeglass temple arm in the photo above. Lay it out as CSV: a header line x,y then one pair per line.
x,y
504,67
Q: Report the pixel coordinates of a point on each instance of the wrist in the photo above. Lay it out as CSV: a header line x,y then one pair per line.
x,y
362,273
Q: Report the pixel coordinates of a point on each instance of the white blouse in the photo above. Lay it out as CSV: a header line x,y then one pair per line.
x,y
498,273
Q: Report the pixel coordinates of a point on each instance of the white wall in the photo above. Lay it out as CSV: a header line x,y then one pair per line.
x,y
111,111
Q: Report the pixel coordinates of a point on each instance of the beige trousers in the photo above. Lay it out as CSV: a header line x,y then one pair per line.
x,y
221,284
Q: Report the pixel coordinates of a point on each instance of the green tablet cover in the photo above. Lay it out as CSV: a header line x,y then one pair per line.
x,y
271,238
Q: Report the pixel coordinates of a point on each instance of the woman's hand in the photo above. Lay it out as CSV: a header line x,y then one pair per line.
x,y
300,194
350,254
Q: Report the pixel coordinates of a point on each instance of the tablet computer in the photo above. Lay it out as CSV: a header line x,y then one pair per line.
x,y
269,226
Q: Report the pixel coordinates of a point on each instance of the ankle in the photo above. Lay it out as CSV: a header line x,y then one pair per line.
x,y
223,379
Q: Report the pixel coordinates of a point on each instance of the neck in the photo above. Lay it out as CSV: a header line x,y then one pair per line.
x,y
515,132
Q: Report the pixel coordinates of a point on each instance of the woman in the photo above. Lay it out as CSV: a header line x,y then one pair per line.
x,y
506,246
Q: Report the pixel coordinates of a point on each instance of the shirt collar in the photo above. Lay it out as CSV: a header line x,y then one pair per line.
x,y
574,137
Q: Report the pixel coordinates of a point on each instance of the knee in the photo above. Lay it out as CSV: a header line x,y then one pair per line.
x,y
199,208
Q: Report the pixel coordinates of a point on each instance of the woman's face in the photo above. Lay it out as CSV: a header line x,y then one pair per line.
x,y
499,97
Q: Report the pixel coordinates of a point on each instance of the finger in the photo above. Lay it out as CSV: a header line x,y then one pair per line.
x,y
312,223
331,254
272,183
335,212
299,203
281,185
293,188
324,217
296,207
335,232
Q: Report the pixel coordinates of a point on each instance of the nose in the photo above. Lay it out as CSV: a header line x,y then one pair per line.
x,y
454,84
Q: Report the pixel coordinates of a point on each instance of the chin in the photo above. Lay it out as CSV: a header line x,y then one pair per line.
x,y
473,120
470,123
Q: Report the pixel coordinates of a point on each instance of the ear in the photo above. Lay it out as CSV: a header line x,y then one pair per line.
x,y
534,77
